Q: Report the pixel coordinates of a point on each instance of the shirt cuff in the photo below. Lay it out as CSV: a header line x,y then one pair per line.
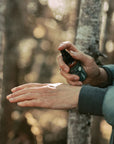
x,y
91,100
110,76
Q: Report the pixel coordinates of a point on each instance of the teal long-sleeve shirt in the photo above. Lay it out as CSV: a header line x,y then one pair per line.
x,y
99,101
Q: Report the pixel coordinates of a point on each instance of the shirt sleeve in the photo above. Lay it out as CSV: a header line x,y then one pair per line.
x,y
110,71
91,100
110,75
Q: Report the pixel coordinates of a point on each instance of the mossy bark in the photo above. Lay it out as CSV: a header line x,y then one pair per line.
x,y
88,32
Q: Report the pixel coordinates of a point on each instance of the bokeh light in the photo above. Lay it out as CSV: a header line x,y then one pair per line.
x,y
39,31
110,46
25,49
43,2
105,6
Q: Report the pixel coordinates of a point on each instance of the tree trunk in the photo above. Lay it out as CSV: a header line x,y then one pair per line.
x,y
109,35
87,39
2,8
10,128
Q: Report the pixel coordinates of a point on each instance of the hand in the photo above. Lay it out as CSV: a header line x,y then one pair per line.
x,y
55,96
95,75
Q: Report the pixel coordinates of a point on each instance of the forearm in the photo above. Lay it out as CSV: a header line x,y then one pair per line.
x,y
54,96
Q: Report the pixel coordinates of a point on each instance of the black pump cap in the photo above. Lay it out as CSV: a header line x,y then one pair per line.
x,y
67,58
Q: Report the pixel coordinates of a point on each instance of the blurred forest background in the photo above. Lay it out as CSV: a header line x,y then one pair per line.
x,y
30,32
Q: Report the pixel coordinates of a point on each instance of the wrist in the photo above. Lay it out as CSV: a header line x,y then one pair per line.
x,y
74,98
102,78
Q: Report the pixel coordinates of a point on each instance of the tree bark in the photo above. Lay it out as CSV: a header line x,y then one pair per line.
x,y
2,8
109,35
87,38
10,128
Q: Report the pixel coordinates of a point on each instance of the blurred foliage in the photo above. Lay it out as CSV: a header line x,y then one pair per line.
x,y
39,26
50,23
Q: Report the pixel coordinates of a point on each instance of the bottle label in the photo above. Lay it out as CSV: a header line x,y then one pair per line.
x,y
78,70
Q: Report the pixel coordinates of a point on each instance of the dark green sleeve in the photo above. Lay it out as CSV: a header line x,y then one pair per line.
x,y
108,105
91,100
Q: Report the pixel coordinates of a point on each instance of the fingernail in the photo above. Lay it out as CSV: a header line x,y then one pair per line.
x,y
72,52
19,103
13,89
60,45
65,69
75,78
8,96
11,99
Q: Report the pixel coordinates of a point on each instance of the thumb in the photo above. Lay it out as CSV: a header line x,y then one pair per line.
x,y
80,56
67,45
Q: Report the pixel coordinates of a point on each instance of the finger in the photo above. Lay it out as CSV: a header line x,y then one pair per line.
x,y
67,45
27,90
62,64
31,103
28,85
76,83
70,77
27,103
23,97
81,57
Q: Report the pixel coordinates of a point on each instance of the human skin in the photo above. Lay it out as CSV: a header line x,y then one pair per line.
x,y
60,96
54,96
96,76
